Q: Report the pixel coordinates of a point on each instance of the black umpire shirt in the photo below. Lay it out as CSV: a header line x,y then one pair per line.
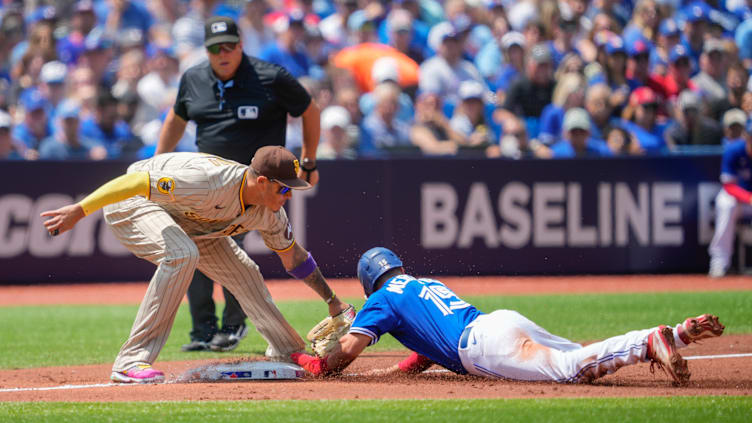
x,y
251,113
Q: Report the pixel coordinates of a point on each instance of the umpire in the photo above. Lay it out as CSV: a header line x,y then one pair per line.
x,y
239,104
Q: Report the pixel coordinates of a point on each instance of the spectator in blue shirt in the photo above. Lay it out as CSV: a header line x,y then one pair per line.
x,y
668,37
743,39
577,141
8,149
382,129
117,15
98,55
401,34
733,126
35,126
286,52
644,22
106,129
615,73
563,42
513,49
568,93
695,28
66,143
52,83
385,71
70,47
640,120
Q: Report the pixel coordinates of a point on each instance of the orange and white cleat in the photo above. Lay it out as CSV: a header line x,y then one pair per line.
x,y
662,352
701,327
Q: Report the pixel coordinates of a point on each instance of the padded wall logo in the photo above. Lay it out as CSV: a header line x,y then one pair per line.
x,y
248,112
22,231
218,27
165,185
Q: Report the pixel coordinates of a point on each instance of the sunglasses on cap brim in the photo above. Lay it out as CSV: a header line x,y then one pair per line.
x,y
216,48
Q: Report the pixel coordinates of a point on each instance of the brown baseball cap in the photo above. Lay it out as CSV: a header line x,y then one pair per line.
x,y
280,165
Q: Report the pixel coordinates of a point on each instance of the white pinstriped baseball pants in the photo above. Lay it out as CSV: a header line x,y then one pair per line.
x,y
150,233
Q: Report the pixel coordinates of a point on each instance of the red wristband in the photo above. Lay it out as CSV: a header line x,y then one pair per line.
x,y
315,365
413,363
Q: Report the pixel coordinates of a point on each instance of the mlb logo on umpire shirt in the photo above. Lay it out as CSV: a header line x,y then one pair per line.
x,y
218,27
247,112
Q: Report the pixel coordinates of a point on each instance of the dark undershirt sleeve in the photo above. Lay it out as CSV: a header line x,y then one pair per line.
x,y
291,94
180,108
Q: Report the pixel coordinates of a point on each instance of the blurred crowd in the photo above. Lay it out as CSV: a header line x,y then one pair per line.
x,y
498,78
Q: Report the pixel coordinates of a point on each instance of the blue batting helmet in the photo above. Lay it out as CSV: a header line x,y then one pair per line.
x,y
374,263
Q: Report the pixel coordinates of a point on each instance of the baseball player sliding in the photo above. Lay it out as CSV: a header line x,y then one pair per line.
x,y
428,318
178,211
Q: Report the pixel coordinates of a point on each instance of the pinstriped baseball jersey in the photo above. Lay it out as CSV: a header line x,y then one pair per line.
x,y
203,194
194,203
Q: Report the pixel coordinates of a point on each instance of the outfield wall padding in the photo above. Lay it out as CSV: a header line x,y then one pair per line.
x,y
443,216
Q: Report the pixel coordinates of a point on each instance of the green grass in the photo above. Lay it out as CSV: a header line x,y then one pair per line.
x,y
671,409
87,334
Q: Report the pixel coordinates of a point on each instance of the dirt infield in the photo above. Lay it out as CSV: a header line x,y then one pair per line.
x,y
717,376
132,293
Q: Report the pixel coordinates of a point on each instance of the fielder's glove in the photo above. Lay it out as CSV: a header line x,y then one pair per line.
x,y
325,335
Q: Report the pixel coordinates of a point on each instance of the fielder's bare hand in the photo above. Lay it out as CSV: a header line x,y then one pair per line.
x,y
62,219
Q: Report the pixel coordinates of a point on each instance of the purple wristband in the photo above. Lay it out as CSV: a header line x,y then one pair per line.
x,y
304,269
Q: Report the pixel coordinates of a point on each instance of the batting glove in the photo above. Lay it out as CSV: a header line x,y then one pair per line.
x,y
314,365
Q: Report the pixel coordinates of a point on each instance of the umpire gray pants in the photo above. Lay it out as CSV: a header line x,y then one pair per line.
x,y
149,232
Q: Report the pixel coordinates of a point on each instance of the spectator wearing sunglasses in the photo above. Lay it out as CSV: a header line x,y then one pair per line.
x,y
239,104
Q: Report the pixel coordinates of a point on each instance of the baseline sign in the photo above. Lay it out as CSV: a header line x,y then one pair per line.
x,y
443,216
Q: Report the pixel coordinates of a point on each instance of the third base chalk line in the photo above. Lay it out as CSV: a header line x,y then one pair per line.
x,y
109,385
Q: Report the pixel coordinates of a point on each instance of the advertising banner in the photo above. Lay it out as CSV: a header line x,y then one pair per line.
x,y
442,216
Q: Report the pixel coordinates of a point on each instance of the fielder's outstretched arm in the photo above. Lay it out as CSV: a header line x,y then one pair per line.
x,y
301,265
118,189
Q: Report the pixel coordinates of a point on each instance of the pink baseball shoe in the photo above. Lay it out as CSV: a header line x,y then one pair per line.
x,y
143,373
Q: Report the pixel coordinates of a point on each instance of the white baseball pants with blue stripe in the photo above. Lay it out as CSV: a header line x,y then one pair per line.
x,y
506,344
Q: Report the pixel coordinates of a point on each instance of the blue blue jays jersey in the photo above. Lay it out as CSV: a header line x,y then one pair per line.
x,y
736,166
423,314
